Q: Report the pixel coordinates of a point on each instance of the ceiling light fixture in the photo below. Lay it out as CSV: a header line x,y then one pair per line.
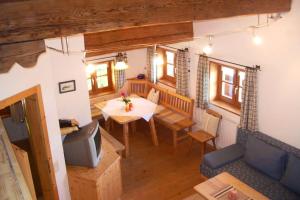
x,y
121,61
257,40
208,48
90,69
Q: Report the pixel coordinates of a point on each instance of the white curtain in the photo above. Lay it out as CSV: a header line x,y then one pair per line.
x,y
150,64
202,85
120,78
249,103
182,73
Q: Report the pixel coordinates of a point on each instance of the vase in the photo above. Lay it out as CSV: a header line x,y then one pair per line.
x,y
127,107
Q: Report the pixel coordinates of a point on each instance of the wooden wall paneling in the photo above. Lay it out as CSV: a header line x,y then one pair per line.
x,y
23,53
138,37
12,184
34,20
38,137
22,158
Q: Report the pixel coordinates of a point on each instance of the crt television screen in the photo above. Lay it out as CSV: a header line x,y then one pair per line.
x,y
97,141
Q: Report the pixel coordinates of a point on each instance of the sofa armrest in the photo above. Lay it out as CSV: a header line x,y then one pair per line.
x,y
224,156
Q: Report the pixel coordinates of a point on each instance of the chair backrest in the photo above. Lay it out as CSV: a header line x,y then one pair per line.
x,y
138,87
213,124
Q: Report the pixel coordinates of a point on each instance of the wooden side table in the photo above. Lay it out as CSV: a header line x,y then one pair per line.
x,y
104,182
212,185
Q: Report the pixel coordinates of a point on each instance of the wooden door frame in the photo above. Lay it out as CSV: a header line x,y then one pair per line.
x,y
49,187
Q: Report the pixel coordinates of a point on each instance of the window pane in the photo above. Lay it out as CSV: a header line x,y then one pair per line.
x,y
227,74
101,69
170,57
89,83
242,78
102,81
240,94
227,90
170,70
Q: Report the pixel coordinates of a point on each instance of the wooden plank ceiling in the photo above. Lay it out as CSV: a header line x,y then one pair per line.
x,y
25,21
139,37
39,19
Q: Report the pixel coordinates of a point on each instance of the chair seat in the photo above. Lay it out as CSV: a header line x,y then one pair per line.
x,y
201,136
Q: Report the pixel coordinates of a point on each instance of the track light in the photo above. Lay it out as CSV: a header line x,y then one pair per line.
x,y
208,48
257,40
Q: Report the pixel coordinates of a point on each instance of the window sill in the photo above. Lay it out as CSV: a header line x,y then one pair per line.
x,y
167,83
92,96
226,107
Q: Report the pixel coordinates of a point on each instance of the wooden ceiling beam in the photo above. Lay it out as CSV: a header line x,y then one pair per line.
x,y
29,20
139,37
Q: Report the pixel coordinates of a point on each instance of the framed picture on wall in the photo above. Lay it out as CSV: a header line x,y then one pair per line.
x,y
67,86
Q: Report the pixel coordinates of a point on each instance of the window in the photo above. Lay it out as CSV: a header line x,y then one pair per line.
x,y
100,77
228,83
168,68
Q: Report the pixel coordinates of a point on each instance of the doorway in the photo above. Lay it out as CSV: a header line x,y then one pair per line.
x,y
38,141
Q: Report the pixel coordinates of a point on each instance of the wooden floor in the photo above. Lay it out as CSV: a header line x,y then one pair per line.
x,y
158,172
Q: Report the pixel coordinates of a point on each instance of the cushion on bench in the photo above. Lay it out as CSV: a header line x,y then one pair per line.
x,y
265,157
224,156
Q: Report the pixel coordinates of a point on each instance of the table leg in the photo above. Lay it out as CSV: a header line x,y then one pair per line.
x,y
107,124
153,132
126,139
133,126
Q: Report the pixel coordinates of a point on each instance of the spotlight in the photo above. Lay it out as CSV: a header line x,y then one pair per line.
x,y
90,69
208,48
257,40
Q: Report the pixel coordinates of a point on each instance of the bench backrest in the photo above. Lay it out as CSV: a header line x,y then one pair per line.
x,y
242,137
171,100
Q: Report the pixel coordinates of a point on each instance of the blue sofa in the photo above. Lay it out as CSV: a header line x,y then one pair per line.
x,y
266,164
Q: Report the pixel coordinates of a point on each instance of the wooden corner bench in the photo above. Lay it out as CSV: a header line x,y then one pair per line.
x,y
174,111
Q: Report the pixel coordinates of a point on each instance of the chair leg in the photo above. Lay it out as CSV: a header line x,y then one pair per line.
x,y
202,149
214,143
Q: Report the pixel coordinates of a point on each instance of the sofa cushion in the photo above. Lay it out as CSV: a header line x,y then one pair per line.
x,y
223,156
291,177
277,191
264,157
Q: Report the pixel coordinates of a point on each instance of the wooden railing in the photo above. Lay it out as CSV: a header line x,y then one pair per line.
x,y
171,100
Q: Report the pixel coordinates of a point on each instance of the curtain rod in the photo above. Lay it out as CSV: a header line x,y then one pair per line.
x,y
172,47
257,67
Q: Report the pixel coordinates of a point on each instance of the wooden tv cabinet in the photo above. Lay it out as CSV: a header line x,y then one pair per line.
x,y
103,182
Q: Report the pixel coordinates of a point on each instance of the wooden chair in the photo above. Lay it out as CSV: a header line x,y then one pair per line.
x,y
202,136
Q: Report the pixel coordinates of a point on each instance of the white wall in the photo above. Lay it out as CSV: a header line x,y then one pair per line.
x,y
278,82
19,79
70,67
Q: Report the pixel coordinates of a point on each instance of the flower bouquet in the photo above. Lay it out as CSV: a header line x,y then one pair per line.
x,y
127,101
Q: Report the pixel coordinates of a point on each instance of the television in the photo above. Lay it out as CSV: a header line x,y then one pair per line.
x,y
83,147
